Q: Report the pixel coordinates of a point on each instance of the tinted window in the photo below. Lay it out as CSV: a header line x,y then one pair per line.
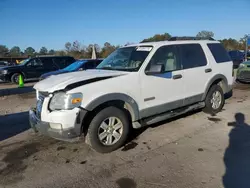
x,y
35,63
48,63
166,56
63,62
192,56
98,62
89,65
219,52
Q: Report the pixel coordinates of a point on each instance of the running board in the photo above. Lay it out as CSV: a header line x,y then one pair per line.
x,y
171,114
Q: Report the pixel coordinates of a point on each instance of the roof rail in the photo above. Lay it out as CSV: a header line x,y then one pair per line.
x,y
45,55
190,38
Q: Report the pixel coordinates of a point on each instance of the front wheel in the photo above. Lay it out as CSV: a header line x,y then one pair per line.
x,y
15,78
108,130
214,101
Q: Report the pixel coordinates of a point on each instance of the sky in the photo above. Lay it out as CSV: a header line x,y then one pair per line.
x,y
52,23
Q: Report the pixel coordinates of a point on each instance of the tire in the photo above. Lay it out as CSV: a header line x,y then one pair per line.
x,y
15,78
209,107
95,130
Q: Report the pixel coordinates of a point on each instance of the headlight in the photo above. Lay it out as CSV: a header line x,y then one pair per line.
x,y
242,65
63,101
4,71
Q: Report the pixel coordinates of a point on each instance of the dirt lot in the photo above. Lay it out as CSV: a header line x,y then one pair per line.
x,y
191,151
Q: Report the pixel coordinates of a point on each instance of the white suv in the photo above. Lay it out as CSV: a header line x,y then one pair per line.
x,y
136,85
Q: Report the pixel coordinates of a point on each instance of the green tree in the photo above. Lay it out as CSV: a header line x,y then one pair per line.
x,y
3,50
43,51
15,51
52,52
205,34
231,44
107,49
60,53
68,46
158,37
29,51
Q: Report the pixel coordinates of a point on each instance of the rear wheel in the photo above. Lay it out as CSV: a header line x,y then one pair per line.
x,y
108,130
214,101
15,78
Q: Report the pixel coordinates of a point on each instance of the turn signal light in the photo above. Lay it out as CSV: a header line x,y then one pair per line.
x,y
76,100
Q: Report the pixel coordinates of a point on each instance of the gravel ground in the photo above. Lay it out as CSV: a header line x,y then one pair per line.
x,y
191,151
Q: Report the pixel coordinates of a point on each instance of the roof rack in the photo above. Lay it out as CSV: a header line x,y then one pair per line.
x,y
190,38
45,55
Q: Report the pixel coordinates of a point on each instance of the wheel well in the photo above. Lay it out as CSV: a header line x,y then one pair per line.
x,y
117,103
222,83
18,73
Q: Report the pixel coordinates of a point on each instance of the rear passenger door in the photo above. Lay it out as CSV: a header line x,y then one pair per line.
x,y
196,72
48,65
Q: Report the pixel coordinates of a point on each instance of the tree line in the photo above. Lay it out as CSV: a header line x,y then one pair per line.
x,y
77,50
74,49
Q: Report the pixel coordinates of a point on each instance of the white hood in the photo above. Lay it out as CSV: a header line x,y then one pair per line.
x,y
59,82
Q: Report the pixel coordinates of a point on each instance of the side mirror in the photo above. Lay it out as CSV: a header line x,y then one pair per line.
x,y
155,69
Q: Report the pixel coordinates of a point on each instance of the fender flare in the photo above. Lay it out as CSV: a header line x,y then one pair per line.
x,y
210,83
130,103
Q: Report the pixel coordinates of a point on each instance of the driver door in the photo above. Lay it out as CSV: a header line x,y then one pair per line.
x,y
164,90
34,68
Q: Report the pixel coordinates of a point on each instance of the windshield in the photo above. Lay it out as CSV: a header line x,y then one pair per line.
x,y
126,59
74,66
24,62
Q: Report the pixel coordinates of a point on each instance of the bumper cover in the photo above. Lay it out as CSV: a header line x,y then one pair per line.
x,y
44,128
4,77
243,75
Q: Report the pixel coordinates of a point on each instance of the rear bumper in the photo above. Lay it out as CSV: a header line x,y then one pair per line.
x,y
44,128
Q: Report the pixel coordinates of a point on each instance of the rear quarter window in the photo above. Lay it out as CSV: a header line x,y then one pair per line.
x,y
219,52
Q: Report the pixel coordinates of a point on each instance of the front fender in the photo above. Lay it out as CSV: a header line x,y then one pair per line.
x,y
130,103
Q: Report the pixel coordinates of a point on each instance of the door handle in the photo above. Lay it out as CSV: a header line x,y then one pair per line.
x,y
177,76
208,70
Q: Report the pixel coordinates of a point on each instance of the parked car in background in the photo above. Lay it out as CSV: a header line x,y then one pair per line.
x,y
83,64
3,63
33,68
243,72
237,57
248,55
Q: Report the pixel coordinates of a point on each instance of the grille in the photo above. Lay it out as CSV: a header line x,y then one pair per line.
x,y
244,74
39,104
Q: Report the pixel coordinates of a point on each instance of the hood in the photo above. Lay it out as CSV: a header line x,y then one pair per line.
x,y
246,62
76,79
14,67
53,73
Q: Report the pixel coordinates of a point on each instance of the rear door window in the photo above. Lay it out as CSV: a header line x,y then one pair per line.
x,y
219,52
48,63
89,65
192,55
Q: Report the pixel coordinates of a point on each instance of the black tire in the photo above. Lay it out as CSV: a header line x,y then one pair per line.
x,y
15,78
208,104
92,137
